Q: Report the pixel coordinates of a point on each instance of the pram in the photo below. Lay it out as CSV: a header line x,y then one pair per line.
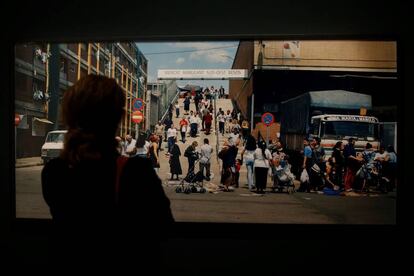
x,y
192,183
371,174
283,179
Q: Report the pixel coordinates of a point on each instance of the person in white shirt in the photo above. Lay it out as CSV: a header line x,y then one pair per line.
x,y
221,119
171,135
130,149
205,152
194,125
228,121
247,156
261,166
235,136
177,109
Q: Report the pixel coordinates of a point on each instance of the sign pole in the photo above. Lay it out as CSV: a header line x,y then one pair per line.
x,y
267,136
15,146
268,119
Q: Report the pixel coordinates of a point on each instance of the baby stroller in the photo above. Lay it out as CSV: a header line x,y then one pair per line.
x,y
283,179
371,174
192,183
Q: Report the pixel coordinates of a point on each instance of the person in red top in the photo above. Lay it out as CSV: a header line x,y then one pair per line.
x,y
183,128
207,121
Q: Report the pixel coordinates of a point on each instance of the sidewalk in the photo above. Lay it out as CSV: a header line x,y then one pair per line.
x,y
28,162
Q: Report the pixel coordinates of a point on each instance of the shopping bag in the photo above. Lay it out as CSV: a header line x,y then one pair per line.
x,y
304,177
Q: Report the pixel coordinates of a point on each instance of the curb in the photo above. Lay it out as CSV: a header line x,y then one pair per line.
x,y
29,165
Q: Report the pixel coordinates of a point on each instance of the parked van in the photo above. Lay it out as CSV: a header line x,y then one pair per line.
x,y
53,145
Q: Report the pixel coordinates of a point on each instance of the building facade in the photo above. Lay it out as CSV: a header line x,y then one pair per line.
x,y
44,71
280,70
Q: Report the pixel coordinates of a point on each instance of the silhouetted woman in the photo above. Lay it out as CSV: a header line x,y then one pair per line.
x,y
103,212
175,165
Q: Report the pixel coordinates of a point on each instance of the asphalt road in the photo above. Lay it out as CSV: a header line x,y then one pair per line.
x,y
238,206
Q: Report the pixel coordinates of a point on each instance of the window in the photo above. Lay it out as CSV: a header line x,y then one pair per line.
x,y
340,129
63,65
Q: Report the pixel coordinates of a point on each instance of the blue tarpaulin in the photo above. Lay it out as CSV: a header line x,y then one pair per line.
x,y
340,99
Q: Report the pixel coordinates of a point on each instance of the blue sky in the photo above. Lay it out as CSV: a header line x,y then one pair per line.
x,y
196,57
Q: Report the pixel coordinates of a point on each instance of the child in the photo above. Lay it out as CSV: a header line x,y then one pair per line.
x,y
237,173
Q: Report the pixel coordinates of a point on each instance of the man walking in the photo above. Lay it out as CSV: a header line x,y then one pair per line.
x,y
159,131
205,152
171,135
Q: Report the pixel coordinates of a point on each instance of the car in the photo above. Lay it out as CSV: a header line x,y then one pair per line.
x,y
53,145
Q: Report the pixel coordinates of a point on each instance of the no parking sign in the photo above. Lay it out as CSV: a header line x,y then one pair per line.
x,y
268,119
138,104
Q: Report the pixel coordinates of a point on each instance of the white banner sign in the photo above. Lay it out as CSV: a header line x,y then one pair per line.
x,y
211,74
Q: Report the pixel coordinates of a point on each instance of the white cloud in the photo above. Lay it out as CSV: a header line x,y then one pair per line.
x,y
216,56
180,60
210,56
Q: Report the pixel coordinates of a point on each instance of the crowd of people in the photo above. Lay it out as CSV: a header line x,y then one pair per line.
x,y
191,124
346,170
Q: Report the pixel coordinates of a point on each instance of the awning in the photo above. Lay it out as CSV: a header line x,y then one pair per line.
x,y
42,120
190,88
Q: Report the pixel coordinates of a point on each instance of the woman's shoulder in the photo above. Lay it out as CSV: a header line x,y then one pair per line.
x,y
138,161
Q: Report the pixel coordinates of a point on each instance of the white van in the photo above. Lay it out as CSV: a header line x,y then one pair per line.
x,y
53,145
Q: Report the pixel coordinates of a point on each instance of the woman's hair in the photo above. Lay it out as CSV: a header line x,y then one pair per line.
x,y
390,148
262,146
338,145
141,140
92,109
250,143
368,146
153,138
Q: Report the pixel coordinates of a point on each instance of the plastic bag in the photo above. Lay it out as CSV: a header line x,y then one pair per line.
x,y
304,177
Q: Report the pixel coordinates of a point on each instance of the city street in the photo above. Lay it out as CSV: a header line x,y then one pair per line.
x,y
238,206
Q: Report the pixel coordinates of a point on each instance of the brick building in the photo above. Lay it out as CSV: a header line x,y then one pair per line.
x,y
44,71
280,70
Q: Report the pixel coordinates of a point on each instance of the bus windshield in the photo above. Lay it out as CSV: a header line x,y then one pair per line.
x,y
341,129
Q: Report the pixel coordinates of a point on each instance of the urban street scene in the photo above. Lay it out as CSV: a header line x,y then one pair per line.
x,y
252,131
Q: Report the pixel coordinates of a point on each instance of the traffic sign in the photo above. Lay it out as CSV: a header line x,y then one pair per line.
x,y
268,119
138,104
17,119
137,117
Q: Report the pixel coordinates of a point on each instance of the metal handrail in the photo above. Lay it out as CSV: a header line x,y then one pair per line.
x,y
172,101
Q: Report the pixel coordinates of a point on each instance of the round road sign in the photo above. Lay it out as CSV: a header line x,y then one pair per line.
x,y
17,119
268,119
138,104
137,117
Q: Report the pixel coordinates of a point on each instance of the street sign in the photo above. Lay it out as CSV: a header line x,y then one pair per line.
x,y
138,104
268,119
17,119
137,117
